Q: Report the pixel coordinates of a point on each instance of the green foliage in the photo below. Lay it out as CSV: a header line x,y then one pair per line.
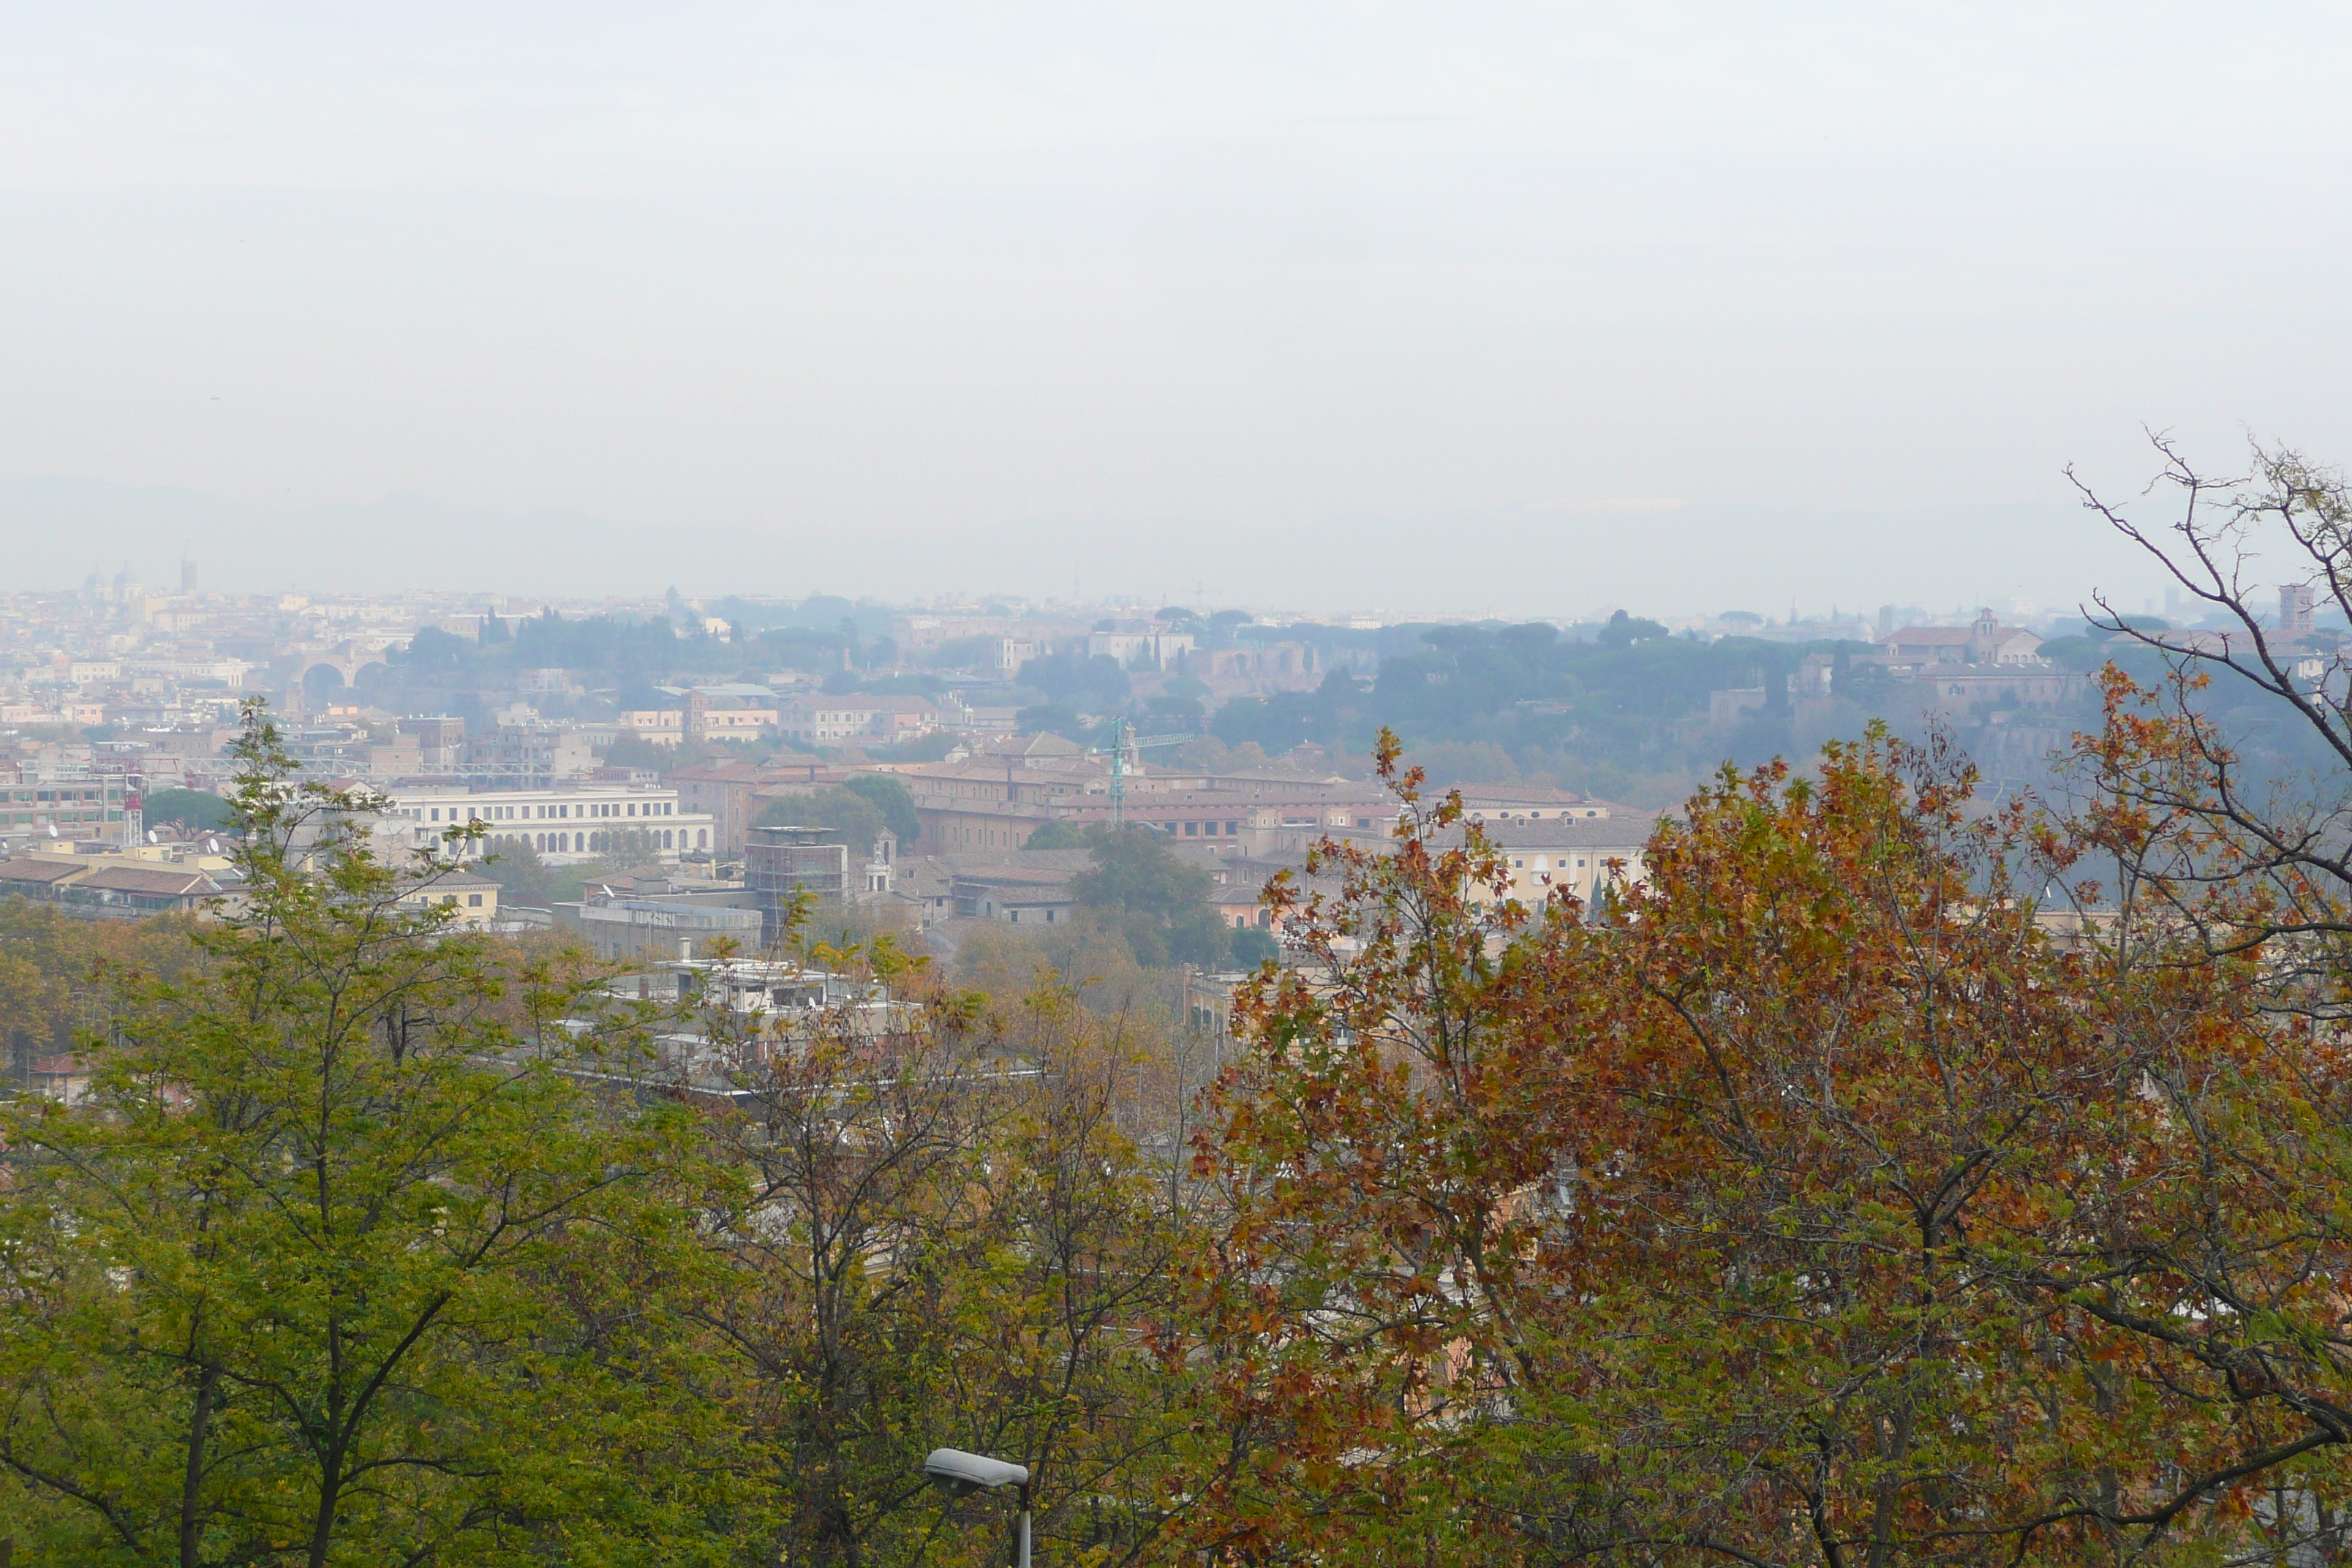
x,y
888,795
275,1289
194,809
959,653
1159,903
1095,683
853,815
1051,717
2080,654
522,875
1172,712
1253,945
924,1250
1623,631
1569,712
1057,836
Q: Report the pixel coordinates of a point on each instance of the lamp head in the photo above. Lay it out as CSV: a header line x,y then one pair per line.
x,y
960,1474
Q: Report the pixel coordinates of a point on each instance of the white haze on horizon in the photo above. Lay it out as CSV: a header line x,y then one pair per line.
x,y
1495,308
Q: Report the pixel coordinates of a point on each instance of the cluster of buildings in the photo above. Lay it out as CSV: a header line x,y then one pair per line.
x,y
690,810
119,695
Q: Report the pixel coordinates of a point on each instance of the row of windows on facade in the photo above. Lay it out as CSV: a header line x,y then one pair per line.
x,y
1559,865
1191,829
1530,816
520,813
564,843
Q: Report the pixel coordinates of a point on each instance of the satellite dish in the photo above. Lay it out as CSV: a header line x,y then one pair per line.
x,y
150,837
212,845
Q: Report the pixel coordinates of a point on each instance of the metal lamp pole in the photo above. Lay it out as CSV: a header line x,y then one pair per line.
x,y
960,1474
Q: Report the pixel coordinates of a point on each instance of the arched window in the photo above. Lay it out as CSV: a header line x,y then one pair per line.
x,y
702,838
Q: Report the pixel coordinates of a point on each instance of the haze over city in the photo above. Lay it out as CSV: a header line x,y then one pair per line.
x,y
1486,310
822,785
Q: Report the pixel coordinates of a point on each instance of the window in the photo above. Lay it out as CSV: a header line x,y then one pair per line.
x,y
436,814
1191,830
473,900
1231,828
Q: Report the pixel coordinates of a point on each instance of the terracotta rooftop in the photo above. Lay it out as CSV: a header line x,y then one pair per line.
x,y
158,883
40,873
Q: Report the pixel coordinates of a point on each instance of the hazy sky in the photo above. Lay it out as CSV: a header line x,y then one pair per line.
x,y
1448,307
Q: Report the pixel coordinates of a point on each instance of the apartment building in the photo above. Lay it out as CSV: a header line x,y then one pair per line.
x,y
61,807
849,718
530,756
1585,856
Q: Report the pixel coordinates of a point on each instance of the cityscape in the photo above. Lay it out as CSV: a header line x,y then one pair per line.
x,y
675,753
1373,786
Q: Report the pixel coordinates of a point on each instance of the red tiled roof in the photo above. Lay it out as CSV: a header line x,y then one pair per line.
x,y
152,884
40,873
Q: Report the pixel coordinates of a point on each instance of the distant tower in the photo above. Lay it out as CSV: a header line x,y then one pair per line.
x,y
2295,609
122,581
134,814
1984,636
1885,622
188,575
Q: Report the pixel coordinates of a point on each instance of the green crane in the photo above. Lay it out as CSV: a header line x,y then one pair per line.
x,y
1122,741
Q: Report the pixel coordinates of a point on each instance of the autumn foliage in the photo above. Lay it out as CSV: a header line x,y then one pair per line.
x,y
1825,1200
1882,1174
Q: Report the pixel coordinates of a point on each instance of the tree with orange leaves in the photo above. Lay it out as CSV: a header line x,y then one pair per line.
x,y
1795,1211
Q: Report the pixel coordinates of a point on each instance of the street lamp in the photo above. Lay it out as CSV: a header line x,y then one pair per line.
x,y
960,1474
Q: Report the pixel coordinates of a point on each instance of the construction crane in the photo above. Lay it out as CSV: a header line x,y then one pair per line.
x,y
1122,741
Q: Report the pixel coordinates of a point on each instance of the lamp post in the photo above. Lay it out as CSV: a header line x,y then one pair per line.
x,y
960,1474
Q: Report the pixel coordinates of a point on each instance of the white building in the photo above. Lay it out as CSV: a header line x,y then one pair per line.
x,y
1158,650
822,719
565,825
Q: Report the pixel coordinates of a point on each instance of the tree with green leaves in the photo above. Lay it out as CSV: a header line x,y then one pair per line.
x,y
194,810
1158,900
300,1280
936,1233
888,794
